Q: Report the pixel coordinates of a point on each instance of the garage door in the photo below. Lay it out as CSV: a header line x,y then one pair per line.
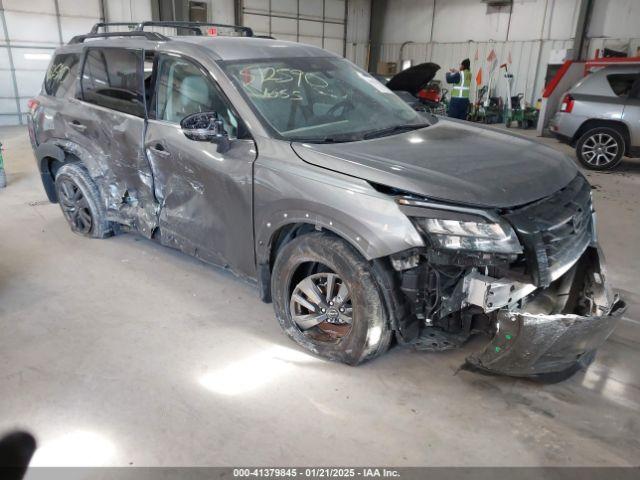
x,y
29,32
316,22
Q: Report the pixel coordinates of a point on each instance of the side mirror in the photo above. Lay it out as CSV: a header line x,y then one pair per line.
x,y
206,127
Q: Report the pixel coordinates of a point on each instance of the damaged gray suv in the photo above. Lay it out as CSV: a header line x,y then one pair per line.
x,y
363,221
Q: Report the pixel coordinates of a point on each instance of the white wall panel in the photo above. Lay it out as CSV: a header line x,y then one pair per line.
x,y
38,6
305,21
333,30
9,120
72,26
31,58
407,20
315,41
8,105
615,18
4,60
287,26
32,28
286,7
128,10
84,8
257,5
334,10
259,23
29,82
222,11
6,84
311,9
308,28
334,45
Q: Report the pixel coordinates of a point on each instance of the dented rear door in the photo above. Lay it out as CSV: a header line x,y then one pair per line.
x,y
109,123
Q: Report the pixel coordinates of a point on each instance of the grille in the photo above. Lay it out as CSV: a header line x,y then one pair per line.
x,y
555,231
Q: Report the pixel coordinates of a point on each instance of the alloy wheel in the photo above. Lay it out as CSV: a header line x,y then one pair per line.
x,y
75,206
599,149
321,307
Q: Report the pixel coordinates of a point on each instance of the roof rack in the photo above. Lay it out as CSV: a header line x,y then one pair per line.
x,y
148,35
194,26
136,29
131,25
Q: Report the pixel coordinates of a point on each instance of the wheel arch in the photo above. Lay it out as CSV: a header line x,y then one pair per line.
x,y
590,124
50,157
269,244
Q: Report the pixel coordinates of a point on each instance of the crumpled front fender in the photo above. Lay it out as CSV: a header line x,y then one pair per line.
x,y
534,345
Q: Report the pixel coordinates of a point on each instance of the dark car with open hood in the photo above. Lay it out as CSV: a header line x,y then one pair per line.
x,y
363,221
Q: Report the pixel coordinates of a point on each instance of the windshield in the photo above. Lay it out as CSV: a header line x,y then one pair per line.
x,y
320,99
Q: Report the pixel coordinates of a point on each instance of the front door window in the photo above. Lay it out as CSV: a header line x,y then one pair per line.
x,y
184,89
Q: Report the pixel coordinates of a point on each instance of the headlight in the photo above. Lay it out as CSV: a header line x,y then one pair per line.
x,y
469,235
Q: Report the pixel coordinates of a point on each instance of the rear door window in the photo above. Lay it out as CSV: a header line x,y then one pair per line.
x,y
621,83
60,80
112,78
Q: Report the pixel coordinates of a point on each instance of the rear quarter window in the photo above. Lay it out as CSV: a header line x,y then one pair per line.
x,y
621,83
111,78
60,80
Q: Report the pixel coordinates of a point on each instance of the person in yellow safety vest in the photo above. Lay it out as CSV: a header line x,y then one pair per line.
x,y
461,80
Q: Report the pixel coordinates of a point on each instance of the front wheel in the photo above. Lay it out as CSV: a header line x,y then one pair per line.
x,y
327,300
600,148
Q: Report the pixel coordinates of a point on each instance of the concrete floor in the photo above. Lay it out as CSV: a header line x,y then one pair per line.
x,y
122,352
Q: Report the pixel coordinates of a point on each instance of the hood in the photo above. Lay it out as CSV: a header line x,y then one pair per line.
x,y
451,161
413,79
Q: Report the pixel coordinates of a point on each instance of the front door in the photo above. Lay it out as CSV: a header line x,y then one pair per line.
x,y
205,196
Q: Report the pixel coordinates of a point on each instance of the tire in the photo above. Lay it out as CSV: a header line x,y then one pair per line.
x,y
306,259
611,144
80,202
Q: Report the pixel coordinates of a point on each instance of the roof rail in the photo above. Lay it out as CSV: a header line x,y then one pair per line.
x,y
96,26
148,35
194,26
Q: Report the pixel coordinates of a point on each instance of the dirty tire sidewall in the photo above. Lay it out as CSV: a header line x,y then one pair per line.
x,y
594,131
77,174
369,315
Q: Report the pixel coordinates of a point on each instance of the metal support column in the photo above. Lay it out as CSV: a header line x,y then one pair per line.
x,y
12,68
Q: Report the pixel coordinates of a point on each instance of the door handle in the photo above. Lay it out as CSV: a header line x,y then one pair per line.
x,y
159,149
78,126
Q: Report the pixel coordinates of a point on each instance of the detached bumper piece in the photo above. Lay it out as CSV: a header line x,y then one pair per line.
x,y
553,346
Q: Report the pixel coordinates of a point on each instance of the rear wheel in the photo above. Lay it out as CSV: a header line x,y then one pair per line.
x,y
600,148
79,200
327,300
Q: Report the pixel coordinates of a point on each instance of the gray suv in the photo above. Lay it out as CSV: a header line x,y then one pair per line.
x,y
600,116
365,222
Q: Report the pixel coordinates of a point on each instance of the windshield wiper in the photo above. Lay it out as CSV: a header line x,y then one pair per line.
x,y
395,129
335,139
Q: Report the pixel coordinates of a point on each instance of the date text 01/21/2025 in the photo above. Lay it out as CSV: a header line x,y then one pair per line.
x,y
316,472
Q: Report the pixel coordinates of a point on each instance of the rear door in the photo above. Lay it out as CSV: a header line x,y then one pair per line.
x,y
109,122
205,196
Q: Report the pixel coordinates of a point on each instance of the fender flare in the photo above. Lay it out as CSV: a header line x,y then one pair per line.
x,y
43,152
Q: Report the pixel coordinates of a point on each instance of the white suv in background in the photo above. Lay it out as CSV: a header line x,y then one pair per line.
x,y
600,116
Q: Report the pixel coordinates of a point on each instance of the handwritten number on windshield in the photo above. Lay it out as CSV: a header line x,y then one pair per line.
x,y
258,82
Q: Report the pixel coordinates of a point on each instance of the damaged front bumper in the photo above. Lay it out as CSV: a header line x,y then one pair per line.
x,y
537,340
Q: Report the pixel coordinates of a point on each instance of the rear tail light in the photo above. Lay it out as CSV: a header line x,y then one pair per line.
x,y
567,104
32,104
